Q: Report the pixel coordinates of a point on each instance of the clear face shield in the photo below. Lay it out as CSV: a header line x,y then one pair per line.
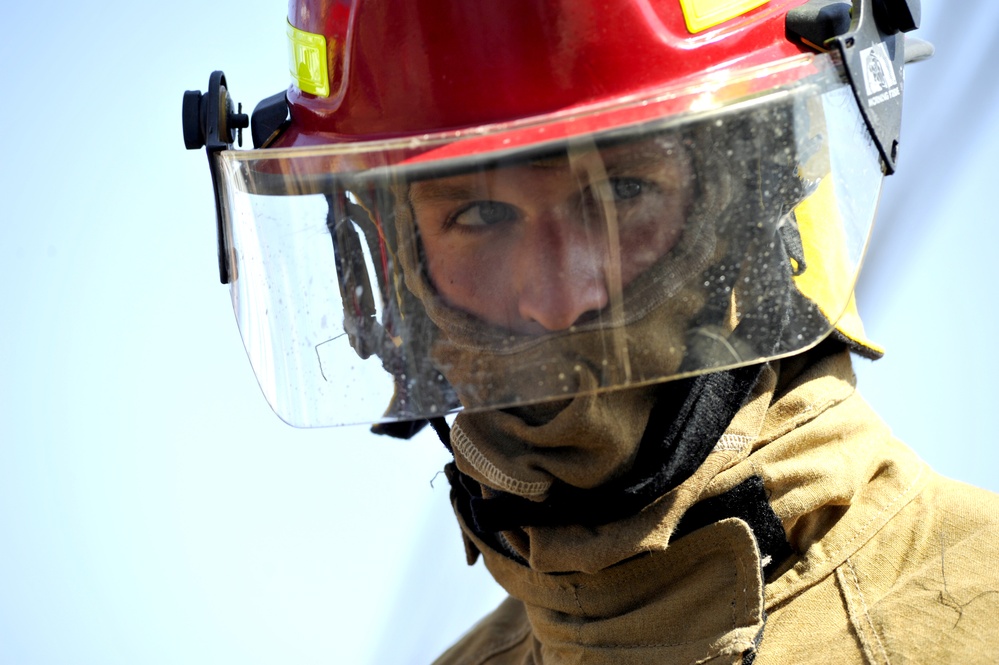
x,y
705,228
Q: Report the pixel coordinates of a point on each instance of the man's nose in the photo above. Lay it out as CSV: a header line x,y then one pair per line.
x,y
561,273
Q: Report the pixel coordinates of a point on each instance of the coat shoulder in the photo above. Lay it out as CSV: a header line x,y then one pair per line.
x,y
503,637
926,588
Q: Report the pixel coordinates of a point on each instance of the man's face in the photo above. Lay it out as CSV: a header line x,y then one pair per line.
x,y
540,245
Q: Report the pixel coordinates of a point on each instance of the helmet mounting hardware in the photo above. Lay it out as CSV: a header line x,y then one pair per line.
x,y
213,122
866,36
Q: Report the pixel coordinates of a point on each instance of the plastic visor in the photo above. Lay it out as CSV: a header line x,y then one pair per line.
x,y
406,279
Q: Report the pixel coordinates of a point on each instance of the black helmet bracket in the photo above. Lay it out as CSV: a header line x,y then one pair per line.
x,y
868,38
212,121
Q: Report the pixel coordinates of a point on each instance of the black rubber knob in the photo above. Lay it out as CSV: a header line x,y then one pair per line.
x,y
194,132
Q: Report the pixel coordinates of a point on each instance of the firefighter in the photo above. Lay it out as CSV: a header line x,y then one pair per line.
x,y
619,241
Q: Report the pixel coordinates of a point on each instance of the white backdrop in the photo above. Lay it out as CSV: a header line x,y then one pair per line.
x,y
153,510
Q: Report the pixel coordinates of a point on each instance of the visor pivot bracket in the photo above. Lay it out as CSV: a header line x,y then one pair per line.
x,y
212,122
866,36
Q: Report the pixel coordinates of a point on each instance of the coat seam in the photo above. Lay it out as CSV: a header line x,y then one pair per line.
x,y
808,412
862,530
869,620
493,473
833,558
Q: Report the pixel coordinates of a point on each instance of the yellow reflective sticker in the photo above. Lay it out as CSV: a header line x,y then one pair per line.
x,y
307,61
703,14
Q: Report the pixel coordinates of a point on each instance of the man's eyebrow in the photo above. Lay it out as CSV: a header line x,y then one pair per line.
x,y
471,186
643,158
430,191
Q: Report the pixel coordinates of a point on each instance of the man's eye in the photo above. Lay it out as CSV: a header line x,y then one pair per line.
x,y
626,188
619,189
484,213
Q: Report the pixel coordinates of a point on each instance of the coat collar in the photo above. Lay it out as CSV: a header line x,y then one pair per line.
x,y
631,592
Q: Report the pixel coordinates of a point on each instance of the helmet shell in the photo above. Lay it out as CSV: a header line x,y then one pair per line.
x,y
423,66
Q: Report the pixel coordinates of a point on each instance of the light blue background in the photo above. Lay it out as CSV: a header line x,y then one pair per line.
x,y
153,510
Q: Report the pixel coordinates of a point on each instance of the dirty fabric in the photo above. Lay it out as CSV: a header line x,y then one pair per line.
x,y
889,563
677,431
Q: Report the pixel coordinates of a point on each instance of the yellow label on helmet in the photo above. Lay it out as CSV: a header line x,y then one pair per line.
x,y
307,60
703,14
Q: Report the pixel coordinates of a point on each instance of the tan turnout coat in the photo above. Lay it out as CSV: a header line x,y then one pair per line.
x,y
892,563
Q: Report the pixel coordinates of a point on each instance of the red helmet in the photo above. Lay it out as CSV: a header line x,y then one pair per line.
x,y
410,68
365,70
757,123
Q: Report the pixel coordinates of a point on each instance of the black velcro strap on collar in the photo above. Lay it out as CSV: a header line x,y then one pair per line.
x,y
747,501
